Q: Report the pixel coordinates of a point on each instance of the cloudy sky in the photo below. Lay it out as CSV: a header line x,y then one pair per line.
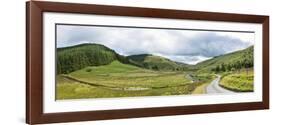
x,y
187,46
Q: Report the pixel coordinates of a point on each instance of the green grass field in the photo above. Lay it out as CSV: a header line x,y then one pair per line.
x,y
239,81
122,80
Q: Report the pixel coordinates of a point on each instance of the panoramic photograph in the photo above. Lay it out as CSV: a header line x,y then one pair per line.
x,y
113,62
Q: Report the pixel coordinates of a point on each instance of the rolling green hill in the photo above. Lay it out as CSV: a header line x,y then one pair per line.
x,y
231,61
80,56
150,61
73,58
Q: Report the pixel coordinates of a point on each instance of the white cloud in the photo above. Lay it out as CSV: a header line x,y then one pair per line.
x,y
186,46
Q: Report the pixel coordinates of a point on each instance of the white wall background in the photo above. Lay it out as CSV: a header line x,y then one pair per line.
x,y
12,63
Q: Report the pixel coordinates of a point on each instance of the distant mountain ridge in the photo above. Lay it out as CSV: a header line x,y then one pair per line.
x,y
80,56
154,62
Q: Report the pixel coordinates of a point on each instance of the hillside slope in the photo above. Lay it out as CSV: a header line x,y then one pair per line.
x,y
231,61
80,56
73,58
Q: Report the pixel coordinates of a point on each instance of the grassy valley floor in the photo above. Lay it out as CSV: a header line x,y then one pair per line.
x,y
122,80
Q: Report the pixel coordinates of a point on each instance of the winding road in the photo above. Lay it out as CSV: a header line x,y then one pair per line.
x,y
214,87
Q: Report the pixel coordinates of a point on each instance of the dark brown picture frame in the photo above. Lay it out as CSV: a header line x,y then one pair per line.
x,y
34,61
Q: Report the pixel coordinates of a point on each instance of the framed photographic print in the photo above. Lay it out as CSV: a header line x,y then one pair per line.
x,y
95,62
